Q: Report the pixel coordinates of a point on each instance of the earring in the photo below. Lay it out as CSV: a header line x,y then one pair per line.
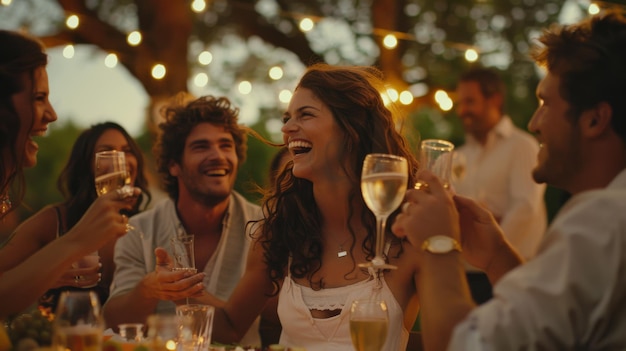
x,y
5,204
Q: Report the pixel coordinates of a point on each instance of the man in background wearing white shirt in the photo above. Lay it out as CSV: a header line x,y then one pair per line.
x,y
495,165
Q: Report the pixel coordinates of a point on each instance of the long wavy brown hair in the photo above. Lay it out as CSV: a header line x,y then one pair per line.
x,y
20,56
291,227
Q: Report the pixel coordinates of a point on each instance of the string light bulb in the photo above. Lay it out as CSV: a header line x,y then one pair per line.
x,y
276,73
110,60
68,51
306,24
593,9
198,6
406,98
134,38
201,80
471,55
205,58
285,96
390,41
245,87
158,71
72,22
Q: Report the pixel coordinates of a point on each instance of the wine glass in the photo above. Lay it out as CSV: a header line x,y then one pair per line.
x,y
369,324
78,325
110,174
383,184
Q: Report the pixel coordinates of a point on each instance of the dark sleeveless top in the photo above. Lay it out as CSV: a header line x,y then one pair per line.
x,y
50,298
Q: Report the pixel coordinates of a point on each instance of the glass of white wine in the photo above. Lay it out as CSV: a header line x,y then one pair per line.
x,y
110,174
383,185
369,323
78,324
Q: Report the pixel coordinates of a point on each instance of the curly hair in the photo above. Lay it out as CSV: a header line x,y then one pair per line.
x,y
20,56
291,228
76,181
590,59
181,120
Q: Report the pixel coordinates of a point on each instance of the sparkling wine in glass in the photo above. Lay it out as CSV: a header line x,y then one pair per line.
x,y
78,325
111,174
383,185
110,171
369,324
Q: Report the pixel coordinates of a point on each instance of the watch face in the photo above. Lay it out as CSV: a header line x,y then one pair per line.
x,y
442,244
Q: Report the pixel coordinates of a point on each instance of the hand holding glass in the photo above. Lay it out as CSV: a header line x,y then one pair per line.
x,y
111,174
383,184
369,323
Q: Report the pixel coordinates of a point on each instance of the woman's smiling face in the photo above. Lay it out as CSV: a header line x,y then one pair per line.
x,y
312,135
35,112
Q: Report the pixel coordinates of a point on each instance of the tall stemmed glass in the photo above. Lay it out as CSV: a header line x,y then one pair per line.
x,y
383,184
369,324
110,174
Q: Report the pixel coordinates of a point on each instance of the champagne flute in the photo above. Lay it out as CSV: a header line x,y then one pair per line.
x,y
383,185
183,254
78,325
111,174
369,324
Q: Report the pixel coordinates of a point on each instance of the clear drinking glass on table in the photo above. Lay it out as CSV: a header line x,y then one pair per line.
x,y
78,324
198,336
165,331
131,332
383,185
369,323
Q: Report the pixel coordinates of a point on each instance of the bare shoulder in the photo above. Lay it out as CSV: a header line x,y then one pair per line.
x,y
41,226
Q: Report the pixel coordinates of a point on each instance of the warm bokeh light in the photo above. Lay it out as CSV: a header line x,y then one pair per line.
x,y
306,24
68,51
198,6
72,22
284,96
205,58
134,38
276,73
170,345
5,2
158,71
443,99
201,80
406,98
392,94
390,41
593,9
471,55
110,60
245,87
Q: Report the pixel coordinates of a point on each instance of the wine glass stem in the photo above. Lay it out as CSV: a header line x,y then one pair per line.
x,y
381,221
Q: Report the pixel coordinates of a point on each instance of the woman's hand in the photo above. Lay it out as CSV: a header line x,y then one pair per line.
x,y
103,222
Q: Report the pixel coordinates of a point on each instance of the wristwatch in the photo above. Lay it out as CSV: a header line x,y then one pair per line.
x,y
441,244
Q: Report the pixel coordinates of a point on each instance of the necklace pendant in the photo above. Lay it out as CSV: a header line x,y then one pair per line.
x,y
342,253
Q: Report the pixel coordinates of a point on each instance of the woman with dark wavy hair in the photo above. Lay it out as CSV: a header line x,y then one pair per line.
x,y
76,183
317,227
25,112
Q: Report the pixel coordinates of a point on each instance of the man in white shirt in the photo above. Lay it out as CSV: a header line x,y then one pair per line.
x,y
494,168
199,151
572,294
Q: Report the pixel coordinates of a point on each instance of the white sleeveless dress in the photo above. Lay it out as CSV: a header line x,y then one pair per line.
x,y
300,329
